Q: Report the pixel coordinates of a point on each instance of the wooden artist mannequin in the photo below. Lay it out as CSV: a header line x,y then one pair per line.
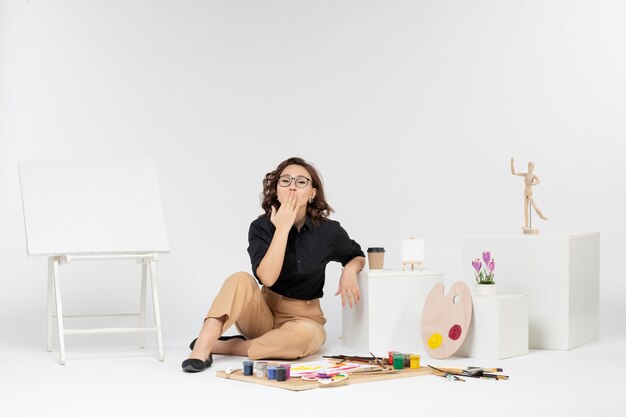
x,y
530,180
289,247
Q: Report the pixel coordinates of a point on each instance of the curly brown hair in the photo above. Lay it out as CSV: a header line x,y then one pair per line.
x,y
318,210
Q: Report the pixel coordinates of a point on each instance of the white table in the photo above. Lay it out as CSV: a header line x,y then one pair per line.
x,y
390,312
559,273
499,328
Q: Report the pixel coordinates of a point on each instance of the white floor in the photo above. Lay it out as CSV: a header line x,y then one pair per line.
x,y
587,381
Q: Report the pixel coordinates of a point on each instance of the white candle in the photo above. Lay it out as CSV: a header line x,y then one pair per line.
x,y
412,250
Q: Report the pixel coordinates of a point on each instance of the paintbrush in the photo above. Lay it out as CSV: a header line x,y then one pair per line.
x,y
378,361
486,369
360,359
446,374
366,372
494,376
474,373
464,372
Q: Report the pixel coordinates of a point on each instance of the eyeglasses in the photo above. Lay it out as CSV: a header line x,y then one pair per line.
x,y
286,180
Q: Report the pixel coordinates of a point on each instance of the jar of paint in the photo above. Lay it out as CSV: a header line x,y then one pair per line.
x,y
415,361
281,373
407,360
260,368
271,371
287,367
391,353
398,361
248,368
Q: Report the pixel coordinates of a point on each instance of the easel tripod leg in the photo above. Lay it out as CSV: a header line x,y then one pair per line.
x,y
50,310
157,314
142,304
57,296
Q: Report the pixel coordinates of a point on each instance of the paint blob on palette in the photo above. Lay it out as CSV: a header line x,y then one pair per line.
x,y
446,319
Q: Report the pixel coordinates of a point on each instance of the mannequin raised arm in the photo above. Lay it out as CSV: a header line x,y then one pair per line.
x,y
513,169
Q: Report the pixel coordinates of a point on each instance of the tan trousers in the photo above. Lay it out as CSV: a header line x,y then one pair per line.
x,y
278,327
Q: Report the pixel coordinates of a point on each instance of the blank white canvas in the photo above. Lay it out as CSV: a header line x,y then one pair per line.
x,y
97,206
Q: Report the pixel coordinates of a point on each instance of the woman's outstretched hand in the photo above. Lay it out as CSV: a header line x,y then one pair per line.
x,y
285,216
348,288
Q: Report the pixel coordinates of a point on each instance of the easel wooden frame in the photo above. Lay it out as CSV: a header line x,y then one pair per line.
x,y
96,210
55,308
419,264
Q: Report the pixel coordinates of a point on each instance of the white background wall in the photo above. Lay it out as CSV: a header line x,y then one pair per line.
x,y
410,109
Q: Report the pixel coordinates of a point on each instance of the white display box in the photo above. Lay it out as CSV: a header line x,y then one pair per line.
x,y
499,328
560,275
389,314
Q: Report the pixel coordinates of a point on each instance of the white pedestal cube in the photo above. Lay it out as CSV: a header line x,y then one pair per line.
x,y
389,314
499,328
560,275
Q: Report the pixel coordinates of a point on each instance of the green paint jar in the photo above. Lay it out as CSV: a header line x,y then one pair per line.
x,y
398,361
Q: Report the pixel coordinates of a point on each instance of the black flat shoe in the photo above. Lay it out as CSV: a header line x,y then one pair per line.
x,y
197,365
236,336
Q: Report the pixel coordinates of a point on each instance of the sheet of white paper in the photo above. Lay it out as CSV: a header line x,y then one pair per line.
x,y
324,366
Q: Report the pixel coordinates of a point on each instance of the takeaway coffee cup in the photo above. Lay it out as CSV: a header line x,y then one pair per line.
x,y
376,258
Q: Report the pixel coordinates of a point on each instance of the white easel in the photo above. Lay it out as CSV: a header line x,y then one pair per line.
x,y
94,210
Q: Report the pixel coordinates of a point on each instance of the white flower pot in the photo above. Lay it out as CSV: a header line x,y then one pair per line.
x,y
485,290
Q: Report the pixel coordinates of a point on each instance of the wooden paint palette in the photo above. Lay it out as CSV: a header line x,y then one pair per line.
x,y
297,384
446,319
